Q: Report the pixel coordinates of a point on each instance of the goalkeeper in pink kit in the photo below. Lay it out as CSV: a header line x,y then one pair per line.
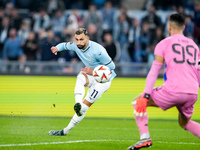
x,y
180,55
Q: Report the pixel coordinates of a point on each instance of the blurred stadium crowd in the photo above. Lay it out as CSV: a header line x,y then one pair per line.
x,y
28,28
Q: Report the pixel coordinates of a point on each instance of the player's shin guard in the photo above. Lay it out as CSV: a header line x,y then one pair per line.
x,y
79,90
142,123
76,119
193,127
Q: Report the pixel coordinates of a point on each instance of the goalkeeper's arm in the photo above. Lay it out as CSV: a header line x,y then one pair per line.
x,y
141,103
198,72
151,78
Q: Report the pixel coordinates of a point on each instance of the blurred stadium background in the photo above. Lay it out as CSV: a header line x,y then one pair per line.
x,y
128,29
34,82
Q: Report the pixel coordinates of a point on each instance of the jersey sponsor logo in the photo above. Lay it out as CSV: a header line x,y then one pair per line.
x,y
89,57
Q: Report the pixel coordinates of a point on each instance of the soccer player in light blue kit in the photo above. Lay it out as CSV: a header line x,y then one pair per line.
x,y
91,54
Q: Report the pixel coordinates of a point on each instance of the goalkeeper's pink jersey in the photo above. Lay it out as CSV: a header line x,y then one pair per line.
x,y
181,56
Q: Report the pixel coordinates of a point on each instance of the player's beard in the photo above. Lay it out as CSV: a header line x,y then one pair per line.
x,y
81,46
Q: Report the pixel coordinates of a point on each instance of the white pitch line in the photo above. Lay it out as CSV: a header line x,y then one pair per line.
x,y
47,143
82,141
177,143
126,129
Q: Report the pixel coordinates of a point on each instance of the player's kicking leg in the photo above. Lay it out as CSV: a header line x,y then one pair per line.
x,y
80,108
94,92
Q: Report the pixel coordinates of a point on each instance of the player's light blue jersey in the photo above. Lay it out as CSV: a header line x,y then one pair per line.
x,y
92,56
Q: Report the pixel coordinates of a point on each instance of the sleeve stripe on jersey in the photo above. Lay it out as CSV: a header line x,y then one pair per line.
x,y
199,63
108,63
66,46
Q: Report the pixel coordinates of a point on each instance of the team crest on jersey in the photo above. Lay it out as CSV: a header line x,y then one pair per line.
x,y
89,57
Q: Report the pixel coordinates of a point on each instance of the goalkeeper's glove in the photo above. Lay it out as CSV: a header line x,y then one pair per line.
x,y
141,105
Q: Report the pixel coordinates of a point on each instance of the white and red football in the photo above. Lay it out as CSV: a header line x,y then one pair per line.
x,y
102,74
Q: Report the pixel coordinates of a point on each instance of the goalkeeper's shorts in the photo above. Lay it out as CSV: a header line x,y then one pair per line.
x,y
183,101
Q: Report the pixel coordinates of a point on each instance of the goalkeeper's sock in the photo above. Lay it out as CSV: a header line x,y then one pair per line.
x,y
79,90
193,127
142,123
76,119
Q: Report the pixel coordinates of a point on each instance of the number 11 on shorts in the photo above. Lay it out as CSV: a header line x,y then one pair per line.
x,y
94,93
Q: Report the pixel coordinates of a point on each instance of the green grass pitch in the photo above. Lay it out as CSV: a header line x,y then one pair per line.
x,y
30,106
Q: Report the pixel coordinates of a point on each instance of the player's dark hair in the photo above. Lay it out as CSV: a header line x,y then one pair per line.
x,y
178,19
81,30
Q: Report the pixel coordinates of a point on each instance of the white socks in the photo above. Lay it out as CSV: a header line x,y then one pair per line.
x,y
76,119
79,90
144,136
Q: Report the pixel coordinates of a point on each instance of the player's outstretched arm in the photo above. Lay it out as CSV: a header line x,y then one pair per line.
x,y
58,48
54,50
